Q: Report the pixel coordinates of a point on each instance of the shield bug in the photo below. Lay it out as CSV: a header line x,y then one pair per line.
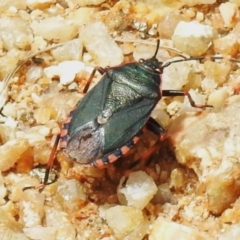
x,y
110,118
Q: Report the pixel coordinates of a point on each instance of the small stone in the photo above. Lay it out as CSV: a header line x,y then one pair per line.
x,y
82,16
34,73
55,29
193,38
218,97
39,4
226,45
222,188
217,71
71,190
60,221
182,71
235,1
139,189
70,51
6,4
229,12
66,71
15,32
84,3
126,220
232,233
165,230
40,233
100,45
11,151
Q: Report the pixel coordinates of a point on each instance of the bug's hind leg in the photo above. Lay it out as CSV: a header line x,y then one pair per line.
x,y
154,127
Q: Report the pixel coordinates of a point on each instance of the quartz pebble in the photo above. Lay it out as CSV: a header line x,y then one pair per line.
x,y
123,219
40,233
193,38
63,226
167,230
16,148
139,189
227,45
100,45
83,3
229,12
15,32
5,5
39,4
72,50
66,71
52,29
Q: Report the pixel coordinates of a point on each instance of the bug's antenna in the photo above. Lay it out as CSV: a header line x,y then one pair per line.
x,y
158,44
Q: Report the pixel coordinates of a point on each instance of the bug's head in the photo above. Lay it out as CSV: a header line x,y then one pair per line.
x,y
153,63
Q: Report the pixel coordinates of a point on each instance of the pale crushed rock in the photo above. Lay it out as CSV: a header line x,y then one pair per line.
x,y
66,71
16,147
125,219
193,38
101,45
40,233
229,13
52,29
15,32
166,230
39,4
6,4
138,190
59,220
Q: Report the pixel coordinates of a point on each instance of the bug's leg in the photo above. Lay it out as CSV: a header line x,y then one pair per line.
x,y
48,168
100,70
153,126
174,93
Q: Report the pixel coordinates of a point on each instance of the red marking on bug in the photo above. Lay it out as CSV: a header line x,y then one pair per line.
x,y
136,139
112,158
99,163
124,149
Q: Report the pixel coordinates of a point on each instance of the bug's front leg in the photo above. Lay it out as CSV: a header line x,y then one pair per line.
x,y
175,93
100,70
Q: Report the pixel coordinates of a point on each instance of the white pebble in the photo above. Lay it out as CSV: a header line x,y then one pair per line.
x,y
100,45
39,4
40,233
192,38
7,4
83,3
34,73
10,122
54,29
228,11
139,190
15,32
66,70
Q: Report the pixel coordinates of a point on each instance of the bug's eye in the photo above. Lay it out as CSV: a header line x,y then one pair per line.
x,y
141,60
